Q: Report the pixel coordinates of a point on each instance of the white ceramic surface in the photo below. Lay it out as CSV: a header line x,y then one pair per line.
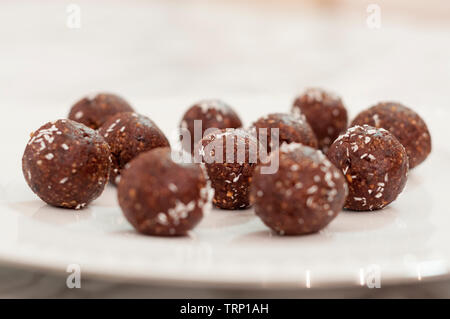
x,y
408,240
162,64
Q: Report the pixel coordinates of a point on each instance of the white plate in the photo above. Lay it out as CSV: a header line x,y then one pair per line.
x,y
167,62
407,241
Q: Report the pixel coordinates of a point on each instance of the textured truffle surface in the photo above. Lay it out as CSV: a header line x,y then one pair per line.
x,y
303,196
230,157
94,111
161,197
291,129
212,114
406,125
375,165
129,134
66,164
325,112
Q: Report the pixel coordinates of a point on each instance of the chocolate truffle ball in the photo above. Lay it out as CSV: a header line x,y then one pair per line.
x,y
303,196
129,134
230,157
291,129
406,125
94,111
211,114
161,197
375,165
325,112
66,164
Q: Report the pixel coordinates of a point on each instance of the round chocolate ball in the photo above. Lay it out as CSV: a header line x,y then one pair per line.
x,y
129,134
305,194
161,197
406,125
66,164
94,111
230,157
325,112
291,129
211,114
375,165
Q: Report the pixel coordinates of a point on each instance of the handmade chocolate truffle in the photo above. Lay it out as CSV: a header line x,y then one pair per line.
x,y
291,129
129,134
230,157
66,164
325,112
303,196
375,165
210,114
406,125
161,197
94,111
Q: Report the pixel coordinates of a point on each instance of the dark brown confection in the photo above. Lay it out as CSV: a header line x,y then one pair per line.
x,y
161,197
292,129
129,134
212,114
66,164
375,165
325,113
230,157
406,125
94,111
303,196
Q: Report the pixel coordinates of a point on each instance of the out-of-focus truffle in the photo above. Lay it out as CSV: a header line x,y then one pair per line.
x,y
129,134
325,113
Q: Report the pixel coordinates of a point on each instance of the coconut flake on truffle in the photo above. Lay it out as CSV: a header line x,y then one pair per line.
x,y
216,104
180,211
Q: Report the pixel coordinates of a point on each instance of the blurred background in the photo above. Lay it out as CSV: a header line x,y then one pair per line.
x,y
168,54
163,56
